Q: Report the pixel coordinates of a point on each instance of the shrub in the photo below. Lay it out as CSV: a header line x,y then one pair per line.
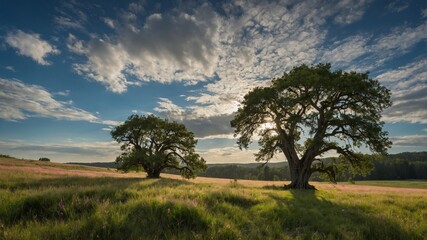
x,y
43,159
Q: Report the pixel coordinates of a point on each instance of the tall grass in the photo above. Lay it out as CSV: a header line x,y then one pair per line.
x,y
37,206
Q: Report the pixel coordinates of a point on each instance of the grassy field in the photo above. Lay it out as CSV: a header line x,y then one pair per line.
x,y
400,184
51,205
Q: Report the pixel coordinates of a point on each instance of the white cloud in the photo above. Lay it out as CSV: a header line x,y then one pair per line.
x,y
424,12
109,122
366,52
109,22
63,93
31,45
106,64
108,129
405,76
174,46
397,6
410,141
344,52
136,7
351,11
75,45
10,68
409,92
400,40
409,105
20,101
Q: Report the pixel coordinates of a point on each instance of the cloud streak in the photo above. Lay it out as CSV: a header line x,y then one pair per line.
x,y
19,101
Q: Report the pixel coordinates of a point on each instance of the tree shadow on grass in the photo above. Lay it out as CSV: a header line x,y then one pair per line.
x,y
308,215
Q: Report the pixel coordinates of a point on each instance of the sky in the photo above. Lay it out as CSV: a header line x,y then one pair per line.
x,y
70,71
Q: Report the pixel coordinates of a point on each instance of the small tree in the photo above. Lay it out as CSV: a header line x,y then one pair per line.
x,y
156,144
311,111
44,159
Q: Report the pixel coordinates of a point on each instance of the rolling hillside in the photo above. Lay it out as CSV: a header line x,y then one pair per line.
x,y
57,201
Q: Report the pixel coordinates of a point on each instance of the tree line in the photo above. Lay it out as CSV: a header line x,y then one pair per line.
x,y
402,166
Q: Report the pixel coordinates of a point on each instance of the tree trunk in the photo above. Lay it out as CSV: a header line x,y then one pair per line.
x,y
153,173
300,174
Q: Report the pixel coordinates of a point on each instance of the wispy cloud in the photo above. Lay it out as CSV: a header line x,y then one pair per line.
x,y
408,105
74,45
397,6
364,52
31,45
71,16
63,93
410,141
10,68
19,101
405,76
409,86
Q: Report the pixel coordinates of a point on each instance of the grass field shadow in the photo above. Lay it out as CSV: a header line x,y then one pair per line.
x,y
306,212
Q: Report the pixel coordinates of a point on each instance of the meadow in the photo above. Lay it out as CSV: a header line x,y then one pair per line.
x,y
57,201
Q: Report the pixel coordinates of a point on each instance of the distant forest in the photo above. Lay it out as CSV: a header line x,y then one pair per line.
x,y
401,166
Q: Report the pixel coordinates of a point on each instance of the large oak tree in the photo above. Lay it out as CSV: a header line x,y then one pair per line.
x,y
311,111
155,144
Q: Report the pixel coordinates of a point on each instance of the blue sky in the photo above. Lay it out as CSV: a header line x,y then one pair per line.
x,y
72,70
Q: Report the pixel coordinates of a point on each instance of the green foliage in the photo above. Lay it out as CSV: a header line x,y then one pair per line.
x,y
5,156
154,144
44,159
41,206
335,111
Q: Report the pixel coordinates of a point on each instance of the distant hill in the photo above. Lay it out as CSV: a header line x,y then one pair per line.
x,y
250,165
246,165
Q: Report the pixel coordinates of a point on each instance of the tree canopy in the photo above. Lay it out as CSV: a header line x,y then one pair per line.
x,y
155,144
311,111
